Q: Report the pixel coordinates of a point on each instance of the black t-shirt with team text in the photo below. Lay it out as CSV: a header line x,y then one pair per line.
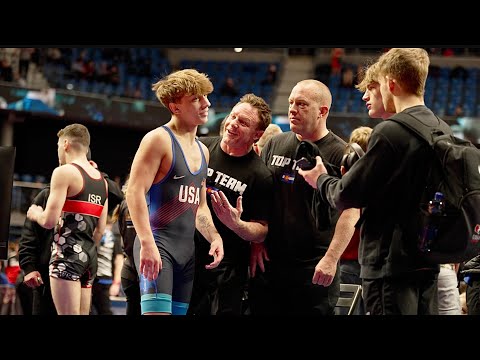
x,y
246,176
294,232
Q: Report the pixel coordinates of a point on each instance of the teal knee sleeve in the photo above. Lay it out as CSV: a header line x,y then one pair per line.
x,y
156,303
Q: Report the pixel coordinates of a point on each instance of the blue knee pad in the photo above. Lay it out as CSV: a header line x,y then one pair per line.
x,y
179,308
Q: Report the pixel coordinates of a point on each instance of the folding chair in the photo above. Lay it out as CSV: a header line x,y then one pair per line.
x,y
350,295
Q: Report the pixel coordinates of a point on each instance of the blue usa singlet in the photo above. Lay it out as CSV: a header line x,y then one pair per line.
x,y
172,206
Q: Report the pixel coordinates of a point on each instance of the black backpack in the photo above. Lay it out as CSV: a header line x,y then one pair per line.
x,y
455,172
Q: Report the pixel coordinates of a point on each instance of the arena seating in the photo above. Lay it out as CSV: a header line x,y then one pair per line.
x,y
138,68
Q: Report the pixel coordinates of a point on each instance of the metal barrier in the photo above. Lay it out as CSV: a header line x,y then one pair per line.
x,y
23,193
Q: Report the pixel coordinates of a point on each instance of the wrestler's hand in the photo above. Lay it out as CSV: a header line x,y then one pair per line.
x,y
33,212
216,250
150,261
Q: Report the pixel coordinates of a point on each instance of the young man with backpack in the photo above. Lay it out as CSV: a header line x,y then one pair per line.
x,y
388,182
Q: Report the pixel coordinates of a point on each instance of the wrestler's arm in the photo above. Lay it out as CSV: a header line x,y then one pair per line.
x,y
145,167
204,223
60,181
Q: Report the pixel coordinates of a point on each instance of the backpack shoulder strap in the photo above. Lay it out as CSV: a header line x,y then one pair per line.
x,y
412,123
424,123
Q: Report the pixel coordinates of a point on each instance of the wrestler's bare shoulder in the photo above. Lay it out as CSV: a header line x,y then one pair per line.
x,y
154,137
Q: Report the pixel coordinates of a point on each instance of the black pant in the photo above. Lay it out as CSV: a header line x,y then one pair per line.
x,y
25,296
101,304
413,293
219,291
350,274
131,287
288,290
42,303
473,296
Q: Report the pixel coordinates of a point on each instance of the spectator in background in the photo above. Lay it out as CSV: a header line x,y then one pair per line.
x,y
38,56
55,56
129,274
471,277
34,255
78,68
459,111
359,136
18,80
24,61
349,264
3,277
448,52
103,72
449,302
271,76
9,304
336,61
462,289
114,75
90,73
6,70
228,88
12,268
15,275
271,130
110,262
137,93
348,77
301,51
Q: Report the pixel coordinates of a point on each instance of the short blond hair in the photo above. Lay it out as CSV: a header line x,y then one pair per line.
x,y
408,65
361,135
370,76
176,85
270,131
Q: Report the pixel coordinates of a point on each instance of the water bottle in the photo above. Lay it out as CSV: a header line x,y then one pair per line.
x,y
436,207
